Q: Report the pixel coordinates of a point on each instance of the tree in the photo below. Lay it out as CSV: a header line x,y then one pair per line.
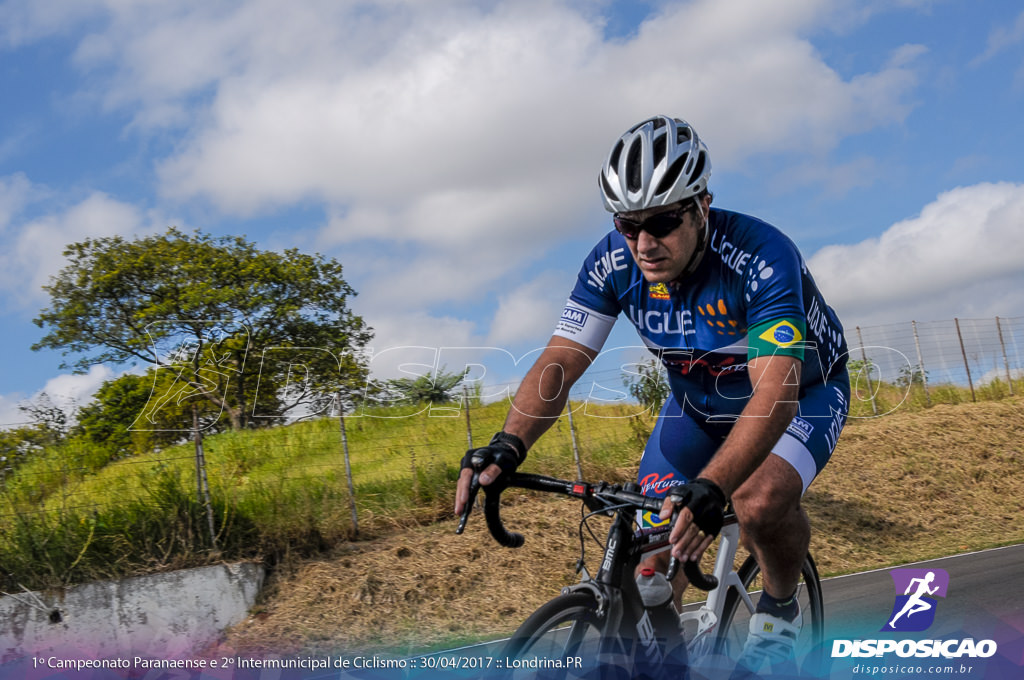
x,y
649,386
107,420
221,322
47,427
431,389
911,375
18,444
49,419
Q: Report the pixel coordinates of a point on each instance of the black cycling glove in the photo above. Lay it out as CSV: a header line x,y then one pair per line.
x,y
706,502
505,450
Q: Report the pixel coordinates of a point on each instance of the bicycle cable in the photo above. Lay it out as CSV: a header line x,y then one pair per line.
x,y
583,523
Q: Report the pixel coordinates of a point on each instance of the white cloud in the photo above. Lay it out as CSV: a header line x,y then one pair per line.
x,y
67,391
419,329
1001,38
15,193
72,390
961,256
25,21
34,251
411,103
477,101
530,312
10,414
457,138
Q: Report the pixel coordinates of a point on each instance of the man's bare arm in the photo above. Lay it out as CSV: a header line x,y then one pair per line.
x,y
538,402
774,403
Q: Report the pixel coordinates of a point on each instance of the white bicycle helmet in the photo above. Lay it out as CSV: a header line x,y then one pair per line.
x,y
658,162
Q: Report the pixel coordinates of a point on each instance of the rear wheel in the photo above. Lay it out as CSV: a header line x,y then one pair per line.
x,y
736,615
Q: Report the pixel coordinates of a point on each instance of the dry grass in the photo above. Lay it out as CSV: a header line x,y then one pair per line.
x,y
901,488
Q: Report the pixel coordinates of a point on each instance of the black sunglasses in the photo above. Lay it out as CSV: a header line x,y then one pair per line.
x,y
658,226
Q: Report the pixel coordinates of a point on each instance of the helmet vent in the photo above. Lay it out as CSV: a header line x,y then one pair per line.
x,y
613,160
659,148
672,174
634,168
698,168
607,188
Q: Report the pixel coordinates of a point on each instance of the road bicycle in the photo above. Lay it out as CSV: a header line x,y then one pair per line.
x,y
600,627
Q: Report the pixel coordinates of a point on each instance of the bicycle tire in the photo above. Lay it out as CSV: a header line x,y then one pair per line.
x,y
561,631
733,626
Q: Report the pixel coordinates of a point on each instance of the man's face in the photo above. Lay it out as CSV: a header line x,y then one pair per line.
x,y
662,260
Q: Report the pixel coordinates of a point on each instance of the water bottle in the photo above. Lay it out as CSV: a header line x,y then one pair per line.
x,y
656,594
655,590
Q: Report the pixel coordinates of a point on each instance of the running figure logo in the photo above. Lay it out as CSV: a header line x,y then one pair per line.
x,y
916,590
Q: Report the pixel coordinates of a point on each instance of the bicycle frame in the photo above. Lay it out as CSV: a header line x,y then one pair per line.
x,y
627,629
708,615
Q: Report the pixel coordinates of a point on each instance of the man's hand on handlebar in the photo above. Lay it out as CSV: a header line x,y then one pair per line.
x,y
502,455
701,505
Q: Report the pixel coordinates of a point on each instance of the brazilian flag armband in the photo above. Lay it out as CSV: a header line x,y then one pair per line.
x,y
784,337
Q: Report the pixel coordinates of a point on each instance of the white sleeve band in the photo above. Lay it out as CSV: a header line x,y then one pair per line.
x,y
585,326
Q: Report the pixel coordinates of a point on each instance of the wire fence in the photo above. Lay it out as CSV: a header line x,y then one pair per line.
x,y
976,354
946,361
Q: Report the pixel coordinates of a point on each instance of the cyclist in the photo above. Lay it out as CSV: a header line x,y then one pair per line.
x,y
755,359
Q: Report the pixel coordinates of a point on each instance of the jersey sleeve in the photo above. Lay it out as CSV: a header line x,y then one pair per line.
x,y
593,304
585,326
773,290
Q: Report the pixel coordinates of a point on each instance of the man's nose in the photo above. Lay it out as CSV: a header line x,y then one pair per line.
x,y
645,242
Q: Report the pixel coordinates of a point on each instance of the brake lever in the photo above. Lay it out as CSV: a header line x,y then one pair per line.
x,y
694,574
474,488
673,563
477,461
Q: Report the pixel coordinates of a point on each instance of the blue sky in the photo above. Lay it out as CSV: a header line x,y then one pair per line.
x,y
446,152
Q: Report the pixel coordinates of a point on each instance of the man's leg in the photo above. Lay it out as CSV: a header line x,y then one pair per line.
x,y
776,530
773,524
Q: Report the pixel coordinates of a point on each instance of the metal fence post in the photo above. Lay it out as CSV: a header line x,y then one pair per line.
x,y
1006,362
202,482
348,470
920,362
963,353
469,427
867,372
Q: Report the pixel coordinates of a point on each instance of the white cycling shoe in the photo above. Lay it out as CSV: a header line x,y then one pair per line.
x,y
770,639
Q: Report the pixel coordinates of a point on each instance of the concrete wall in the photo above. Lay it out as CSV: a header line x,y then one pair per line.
x,y
162,615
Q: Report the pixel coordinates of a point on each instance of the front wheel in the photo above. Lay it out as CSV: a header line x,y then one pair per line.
x,y
562,639
736,615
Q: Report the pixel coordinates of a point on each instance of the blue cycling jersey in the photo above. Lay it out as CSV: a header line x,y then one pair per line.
x,y
751,294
